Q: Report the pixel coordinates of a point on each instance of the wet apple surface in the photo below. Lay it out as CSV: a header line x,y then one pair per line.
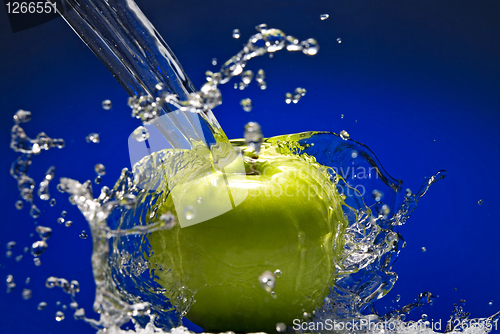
x,y
289,221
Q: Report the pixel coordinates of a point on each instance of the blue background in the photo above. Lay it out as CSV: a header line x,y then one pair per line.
x,y
416,81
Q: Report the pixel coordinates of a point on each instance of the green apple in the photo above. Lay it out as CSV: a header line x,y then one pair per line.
x,y
286,217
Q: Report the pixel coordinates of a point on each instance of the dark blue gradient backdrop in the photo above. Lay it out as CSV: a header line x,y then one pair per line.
x,y
416,81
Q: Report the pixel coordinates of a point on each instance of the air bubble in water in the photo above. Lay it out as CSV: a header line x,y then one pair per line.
x,y
52,202
324,16
189,212
253,136
288,98
59,316
199,200
100,169
214,61
74,285
398,298
60,220
37,261
41,306
93,138
98,179
339,40
38,247
26,294
480,202
19,258
424,316
27,281
246,104
22,116
140,134
267,281
490,303
83,235
236,33
63,213
424,249
170,221
11,244
68,223
106,104
408,192
19,204
280,327
344,135
44,232
277,273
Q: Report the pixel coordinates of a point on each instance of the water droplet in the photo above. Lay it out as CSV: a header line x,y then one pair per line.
x,y
140,134
267,281
83,235
79,314
34,212
68,223
247,77
199,200
106,104
280,327
41,306
288,98
214,61
377,195
26,294
236,33
310,47
53,202
51,282
38,247
277,273
344,135
480,202
324,16
59,316
19,204
44,232
424,249
189,212
22,116
261,27
246,104
37,261
100,169
339,40
253,136
93,138
60,220
74,285
11,244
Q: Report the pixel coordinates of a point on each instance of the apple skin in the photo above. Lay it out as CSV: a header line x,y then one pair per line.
x,y
291,220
